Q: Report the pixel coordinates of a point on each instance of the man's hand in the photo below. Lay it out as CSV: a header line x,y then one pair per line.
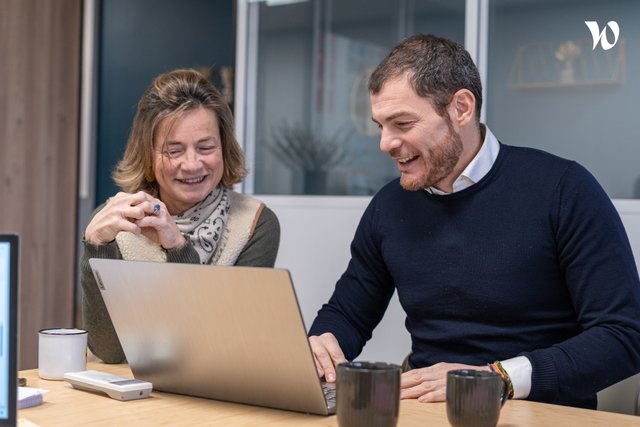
x,y
328,355
430,384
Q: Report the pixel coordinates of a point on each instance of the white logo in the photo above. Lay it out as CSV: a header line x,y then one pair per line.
x,y
601,37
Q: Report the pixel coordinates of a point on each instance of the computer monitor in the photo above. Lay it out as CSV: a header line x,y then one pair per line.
x,y
8,327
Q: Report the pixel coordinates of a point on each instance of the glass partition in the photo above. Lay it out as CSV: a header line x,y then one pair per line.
x,y
312,131
554,85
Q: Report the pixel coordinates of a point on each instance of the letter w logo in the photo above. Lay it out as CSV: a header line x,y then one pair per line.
x,y
601,37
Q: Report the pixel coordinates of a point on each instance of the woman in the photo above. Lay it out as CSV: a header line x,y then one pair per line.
x,y
176,204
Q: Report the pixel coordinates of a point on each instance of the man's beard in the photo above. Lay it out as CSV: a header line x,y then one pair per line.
x,y
439,163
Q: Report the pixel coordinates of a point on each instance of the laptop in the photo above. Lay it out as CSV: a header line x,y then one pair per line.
x,y
8,327
224,333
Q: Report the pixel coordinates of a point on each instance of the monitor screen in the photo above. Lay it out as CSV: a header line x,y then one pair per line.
x,y
8,327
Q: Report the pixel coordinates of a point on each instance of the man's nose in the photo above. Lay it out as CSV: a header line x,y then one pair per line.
x,y
388,141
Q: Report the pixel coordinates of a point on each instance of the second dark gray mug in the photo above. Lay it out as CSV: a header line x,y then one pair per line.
x,y
367,394
474,398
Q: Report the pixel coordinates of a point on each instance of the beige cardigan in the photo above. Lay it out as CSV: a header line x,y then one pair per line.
x,y
243,215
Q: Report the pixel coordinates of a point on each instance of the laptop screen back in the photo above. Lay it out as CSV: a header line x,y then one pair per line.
x,y
8,327
226,333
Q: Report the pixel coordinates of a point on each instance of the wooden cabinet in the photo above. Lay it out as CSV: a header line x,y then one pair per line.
x,y
40,47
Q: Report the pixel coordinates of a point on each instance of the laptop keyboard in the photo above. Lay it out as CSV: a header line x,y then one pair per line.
x,y
329,390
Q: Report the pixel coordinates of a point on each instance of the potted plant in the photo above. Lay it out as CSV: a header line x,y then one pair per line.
x,y
567,53
311,153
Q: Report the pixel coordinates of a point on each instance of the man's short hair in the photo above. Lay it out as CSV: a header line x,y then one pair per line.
x,y
437,68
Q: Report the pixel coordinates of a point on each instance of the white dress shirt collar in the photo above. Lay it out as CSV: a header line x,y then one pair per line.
x,y
479,166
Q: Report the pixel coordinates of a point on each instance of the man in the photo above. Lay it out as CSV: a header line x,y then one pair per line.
x,y
500,254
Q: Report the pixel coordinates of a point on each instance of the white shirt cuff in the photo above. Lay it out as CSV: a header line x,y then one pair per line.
x,y
519,370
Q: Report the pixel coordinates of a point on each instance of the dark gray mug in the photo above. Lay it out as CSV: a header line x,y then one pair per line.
x,y
367,394
474,398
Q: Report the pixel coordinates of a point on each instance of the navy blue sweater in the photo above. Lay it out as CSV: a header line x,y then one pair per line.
x,y
532,260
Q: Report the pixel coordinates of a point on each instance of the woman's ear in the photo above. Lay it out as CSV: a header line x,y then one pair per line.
x,y
463,106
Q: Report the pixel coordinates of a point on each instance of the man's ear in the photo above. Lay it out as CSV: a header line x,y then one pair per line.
x,y
462,107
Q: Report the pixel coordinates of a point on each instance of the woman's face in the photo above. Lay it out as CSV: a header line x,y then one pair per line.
x,y
188,164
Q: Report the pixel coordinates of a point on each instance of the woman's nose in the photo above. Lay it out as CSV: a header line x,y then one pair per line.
x,y
191,160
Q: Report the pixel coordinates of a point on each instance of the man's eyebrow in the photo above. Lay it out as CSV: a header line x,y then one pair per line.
x,y
394,116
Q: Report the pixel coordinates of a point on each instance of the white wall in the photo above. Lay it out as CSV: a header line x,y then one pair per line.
x,y
314,246
630,213
624,397
316,235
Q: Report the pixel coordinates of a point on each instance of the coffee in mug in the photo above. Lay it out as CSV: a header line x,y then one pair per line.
x,y
367,394
474,398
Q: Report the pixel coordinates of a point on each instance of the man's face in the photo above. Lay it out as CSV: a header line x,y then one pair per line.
x,y
424,145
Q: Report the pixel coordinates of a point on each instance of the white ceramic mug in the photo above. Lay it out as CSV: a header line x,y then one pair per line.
x,y
61,350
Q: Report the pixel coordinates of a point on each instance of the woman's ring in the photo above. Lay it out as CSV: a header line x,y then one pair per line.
x,y
156,209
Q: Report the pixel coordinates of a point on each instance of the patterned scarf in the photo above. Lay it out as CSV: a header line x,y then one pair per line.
x,y
204,223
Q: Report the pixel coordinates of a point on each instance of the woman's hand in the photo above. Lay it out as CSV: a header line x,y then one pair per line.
x,y
138,213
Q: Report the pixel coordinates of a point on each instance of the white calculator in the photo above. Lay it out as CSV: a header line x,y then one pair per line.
x,y
114,386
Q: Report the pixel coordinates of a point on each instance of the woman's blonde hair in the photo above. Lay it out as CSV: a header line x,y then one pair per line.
x,y
170,95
